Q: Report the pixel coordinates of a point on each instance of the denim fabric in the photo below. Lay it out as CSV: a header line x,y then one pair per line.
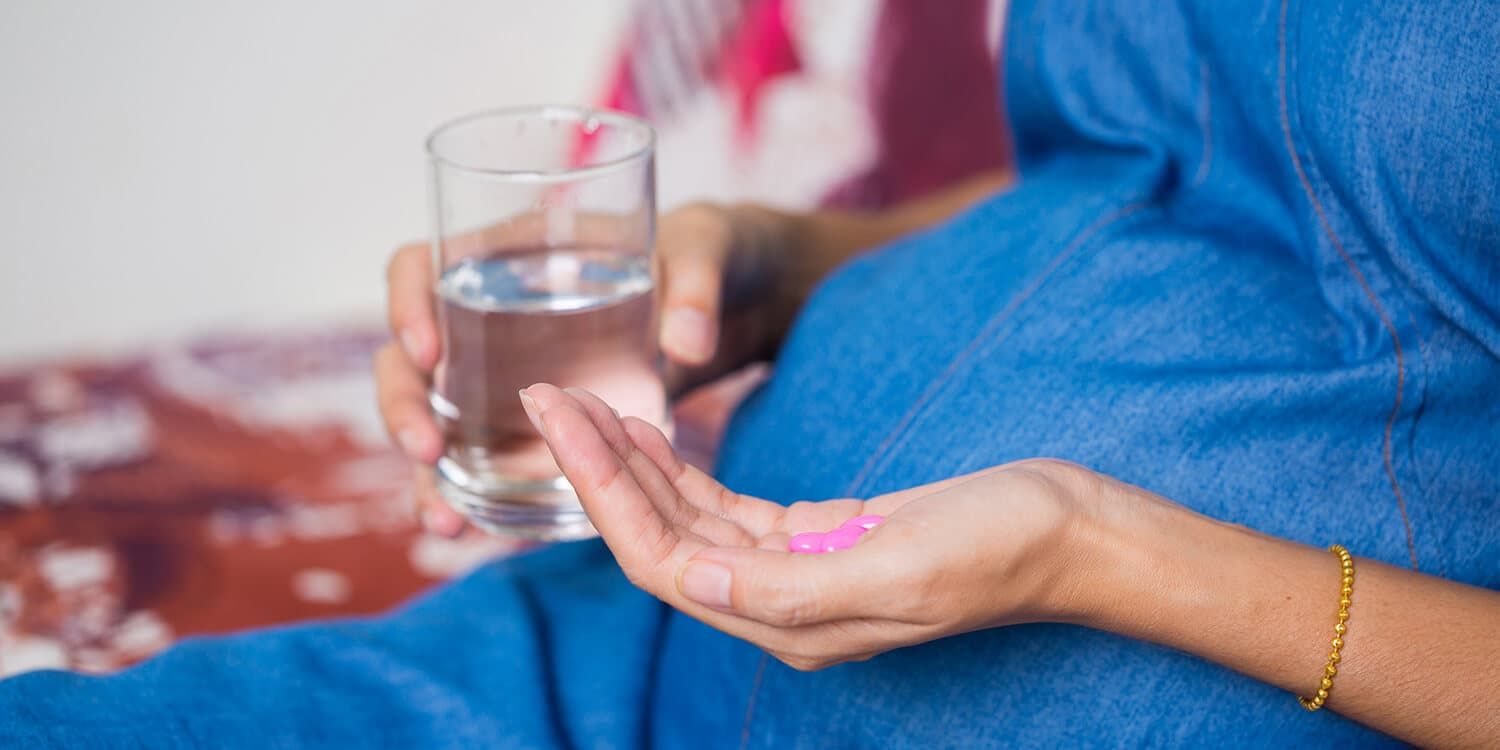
x,y
1253,265
543,650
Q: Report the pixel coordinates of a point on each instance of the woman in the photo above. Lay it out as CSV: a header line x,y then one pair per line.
x,y
1250,265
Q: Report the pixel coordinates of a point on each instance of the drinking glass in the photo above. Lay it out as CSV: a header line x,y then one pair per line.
x,y
542,226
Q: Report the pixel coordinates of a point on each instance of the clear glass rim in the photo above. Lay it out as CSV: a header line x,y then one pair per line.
x,y
608,117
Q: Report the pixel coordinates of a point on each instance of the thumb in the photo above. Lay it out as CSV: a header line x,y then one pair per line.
x,y
692,282
783,589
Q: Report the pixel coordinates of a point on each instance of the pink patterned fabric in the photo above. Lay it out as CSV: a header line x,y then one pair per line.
x,y
762,50
202,489
216,487
930,83
934,93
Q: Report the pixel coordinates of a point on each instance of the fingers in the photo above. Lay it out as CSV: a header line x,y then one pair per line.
x,y
678,513
647,474
677,553
616,479
810,611
401,383
649,550
690,308
756,516
409,303
685,495
784,590
436,516
402,395
693,245
655,445
636,533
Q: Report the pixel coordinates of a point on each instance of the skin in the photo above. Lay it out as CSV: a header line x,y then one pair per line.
x,y
1421,660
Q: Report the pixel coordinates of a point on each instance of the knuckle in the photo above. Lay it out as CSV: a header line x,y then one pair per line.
x,y
1052,468
1057,475
663,547
784,605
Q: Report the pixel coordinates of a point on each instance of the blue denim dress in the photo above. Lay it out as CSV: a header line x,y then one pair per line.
x,y
1253,265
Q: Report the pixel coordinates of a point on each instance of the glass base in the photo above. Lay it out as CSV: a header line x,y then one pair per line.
x,y
544,510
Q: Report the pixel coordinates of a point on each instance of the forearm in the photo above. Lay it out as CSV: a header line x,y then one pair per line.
x,y
1421,659
808,246
827,238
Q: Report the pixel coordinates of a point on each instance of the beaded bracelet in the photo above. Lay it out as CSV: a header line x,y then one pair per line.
x,y
1319,698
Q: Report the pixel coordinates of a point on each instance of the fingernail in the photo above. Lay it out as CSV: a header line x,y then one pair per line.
x,y
688,332
409,343
706,583
532,412
410,443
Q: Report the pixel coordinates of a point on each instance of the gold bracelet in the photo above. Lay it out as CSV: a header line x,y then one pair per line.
x,y
1319,698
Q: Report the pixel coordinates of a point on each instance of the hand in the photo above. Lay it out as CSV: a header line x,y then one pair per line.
x,y
976,551
719,271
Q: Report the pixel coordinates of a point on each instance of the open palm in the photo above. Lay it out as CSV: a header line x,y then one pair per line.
x,y
722,557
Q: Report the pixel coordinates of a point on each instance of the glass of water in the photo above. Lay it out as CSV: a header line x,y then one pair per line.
x,y
542,227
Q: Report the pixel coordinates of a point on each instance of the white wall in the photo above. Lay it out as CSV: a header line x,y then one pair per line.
x,y
172,167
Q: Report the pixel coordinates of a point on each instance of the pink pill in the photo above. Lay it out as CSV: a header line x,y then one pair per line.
x,y
842,537
864,522
807,543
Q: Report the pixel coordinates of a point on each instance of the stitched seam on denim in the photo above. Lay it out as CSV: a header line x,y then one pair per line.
x,y
896,437
998,338
760,673
1333,237
1420,376
1419,372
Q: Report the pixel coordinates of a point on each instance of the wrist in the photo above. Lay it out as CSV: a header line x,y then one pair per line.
x,y
1156,571
1133,557
1081,550
1095,548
